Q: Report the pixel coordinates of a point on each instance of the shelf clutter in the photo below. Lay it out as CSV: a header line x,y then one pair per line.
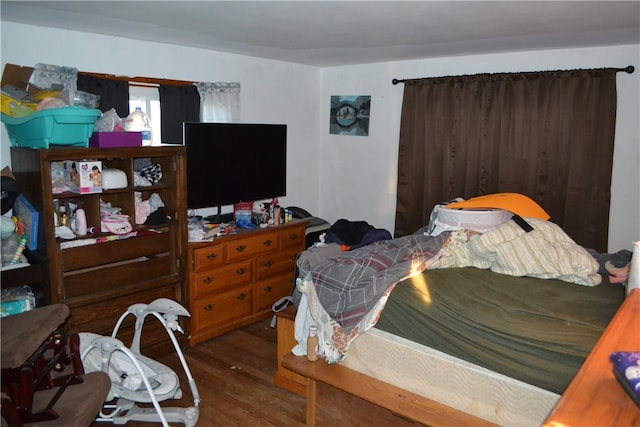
x,y
59,115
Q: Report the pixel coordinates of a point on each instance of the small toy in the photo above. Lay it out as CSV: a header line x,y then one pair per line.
x,y
23,238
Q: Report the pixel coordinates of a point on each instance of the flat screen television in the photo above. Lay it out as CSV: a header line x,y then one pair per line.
x,y
229,163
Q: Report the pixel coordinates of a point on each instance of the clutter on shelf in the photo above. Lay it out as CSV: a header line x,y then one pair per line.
x,y
14,242
139,121
16,300
146,172
149,211
42,107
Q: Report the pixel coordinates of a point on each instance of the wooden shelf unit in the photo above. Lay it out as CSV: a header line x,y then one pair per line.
x,y
234,280
35,275
99,281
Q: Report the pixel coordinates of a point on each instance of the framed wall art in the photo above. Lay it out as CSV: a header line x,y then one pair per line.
x,y
349,115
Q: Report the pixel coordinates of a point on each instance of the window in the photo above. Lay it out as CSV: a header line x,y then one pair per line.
x,y
148,99
184,101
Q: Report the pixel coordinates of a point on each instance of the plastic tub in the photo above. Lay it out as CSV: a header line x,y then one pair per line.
x,y
68,126
481,220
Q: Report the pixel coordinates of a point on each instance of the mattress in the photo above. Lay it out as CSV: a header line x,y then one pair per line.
x,y
538,331
449,380
498,347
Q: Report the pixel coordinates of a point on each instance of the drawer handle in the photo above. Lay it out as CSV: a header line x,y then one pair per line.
x,y
268,264
211,257
241,270
209,307
207,281
268,289
293,236
242,296
267,242
241,248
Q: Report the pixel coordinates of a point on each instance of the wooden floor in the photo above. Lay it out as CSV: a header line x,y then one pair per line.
x,y
234,375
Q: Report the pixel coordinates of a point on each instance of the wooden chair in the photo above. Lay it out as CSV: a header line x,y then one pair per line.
x,y
40,384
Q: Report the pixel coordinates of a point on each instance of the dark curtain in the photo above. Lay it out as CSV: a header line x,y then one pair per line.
x,y
548,135
113,93
178,104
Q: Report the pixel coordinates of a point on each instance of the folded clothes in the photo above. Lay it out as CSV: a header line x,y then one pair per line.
x,y
152,173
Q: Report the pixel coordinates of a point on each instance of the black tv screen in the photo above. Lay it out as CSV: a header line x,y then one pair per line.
x,y
229,163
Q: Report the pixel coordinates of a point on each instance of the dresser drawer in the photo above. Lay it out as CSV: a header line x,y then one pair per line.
x,y
276,263
220,278
252,246
100,317
89,256
293,237
215,309
205,258
115,276
271,290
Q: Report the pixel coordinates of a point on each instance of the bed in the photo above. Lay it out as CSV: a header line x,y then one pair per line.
x,y
501,347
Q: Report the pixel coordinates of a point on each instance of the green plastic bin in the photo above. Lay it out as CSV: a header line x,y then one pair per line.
x,y
65,126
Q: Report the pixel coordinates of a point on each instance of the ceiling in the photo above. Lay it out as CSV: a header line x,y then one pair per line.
x,y
333,33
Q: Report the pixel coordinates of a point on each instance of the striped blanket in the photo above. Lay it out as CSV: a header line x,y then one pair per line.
x,y
546,252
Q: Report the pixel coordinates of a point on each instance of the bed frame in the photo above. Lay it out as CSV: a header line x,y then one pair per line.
x,y
301,377
401,402
594,394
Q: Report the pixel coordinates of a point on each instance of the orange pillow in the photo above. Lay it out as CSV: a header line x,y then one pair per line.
x,y
516,203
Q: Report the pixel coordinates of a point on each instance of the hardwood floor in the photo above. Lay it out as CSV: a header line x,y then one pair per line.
x,y
234,373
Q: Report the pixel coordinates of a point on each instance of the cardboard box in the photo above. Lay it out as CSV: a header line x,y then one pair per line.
x,y
115,139
16,88
9,308
18,76
83,176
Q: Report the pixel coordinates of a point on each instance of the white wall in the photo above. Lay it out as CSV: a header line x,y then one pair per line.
x,y
271,92
339,176
358,174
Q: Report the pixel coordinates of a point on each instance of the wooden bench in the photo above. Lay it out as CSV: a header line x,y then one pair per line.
x,y
400,402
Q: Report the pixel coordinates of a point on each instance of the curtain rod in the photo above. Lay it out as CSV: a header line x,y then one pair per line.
x,y
628,69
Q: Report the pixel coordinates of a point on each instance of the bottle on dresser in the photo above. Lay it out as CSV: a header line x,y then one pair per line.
x,y
312,344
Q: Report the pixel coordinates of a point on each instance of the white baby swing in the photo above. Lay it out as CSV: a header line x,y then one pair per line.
x,y
136,378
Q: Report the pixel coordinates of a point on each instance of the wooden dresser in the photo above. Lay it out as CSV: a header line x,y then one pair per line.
x,y
234,280
594,396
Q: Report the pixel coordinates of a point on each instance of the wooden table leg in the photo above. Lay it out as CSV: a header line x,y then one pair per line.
x,y
311,402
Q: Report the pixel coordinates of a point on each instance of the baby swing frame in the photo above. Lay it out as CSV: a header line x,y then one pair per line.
x,y
125,409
